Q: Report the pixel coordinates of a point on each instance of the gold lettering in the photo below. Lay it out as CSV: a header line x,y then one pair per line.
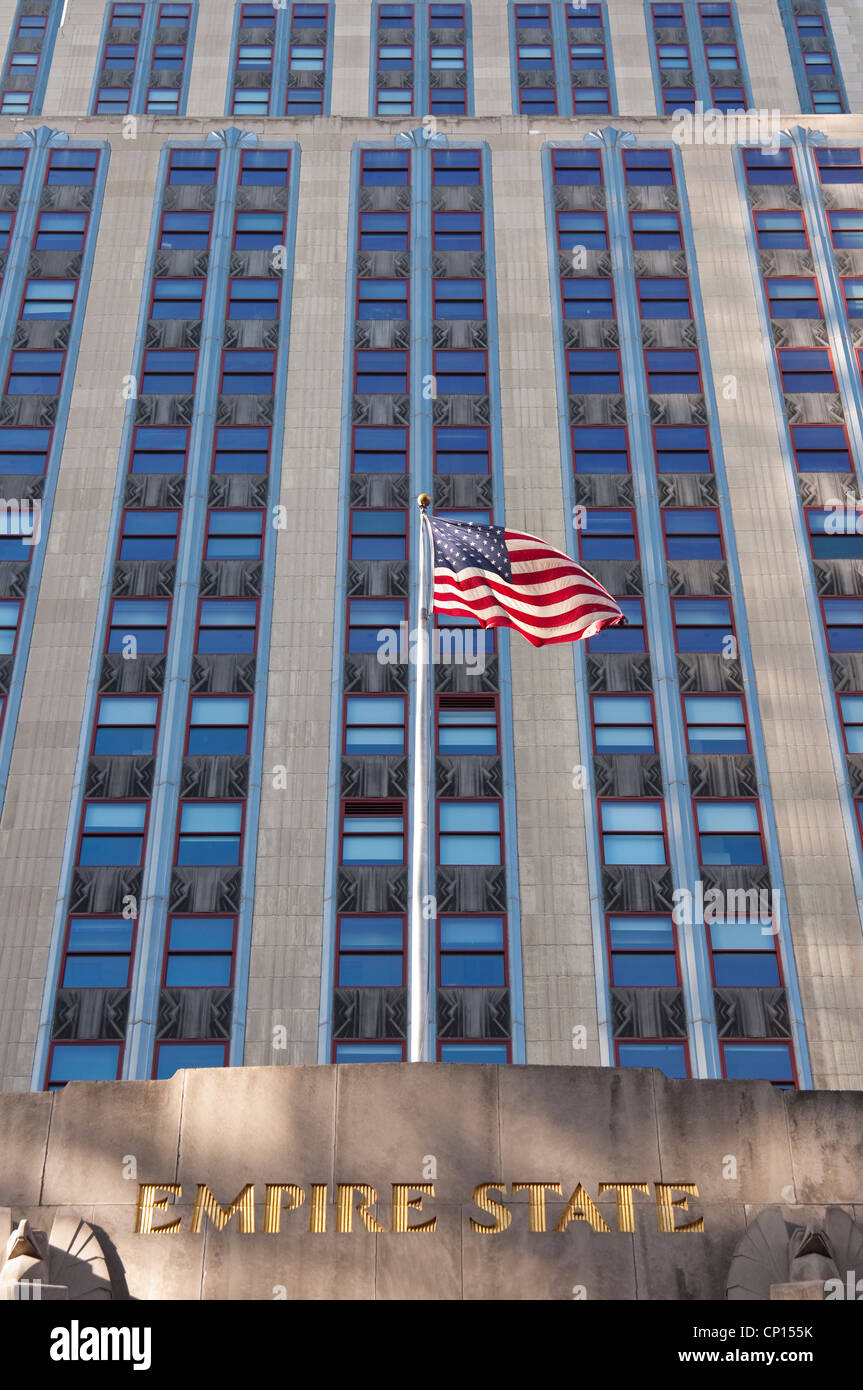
x,y
502,1214
625,1204
148,1202
402,1203
318,1208
345,1207
206,1205
581,1207
273,1206
536,1200
665,1205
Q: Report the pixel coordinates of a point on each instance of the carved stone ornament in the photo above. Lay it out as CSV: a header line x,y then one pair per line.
x,y
813,1259
68,1264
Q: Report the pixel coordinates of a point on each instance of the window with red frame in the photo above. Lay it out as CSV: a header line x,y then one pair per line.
x,y
199,952
642,950
759,1060
472,952
371,951
806,369
467,724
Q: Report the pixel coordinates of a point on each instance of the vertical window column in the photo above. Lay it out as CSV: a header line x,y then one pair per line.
x,y
421,60
813,56
145,58
697,55
28,56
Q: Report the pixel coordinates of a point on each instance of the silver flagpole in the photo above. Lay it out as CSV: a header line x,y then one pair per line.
x,y
418,1003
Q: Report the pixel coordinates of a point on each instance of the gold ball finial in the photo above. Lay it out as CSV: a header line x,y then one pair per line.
x,y
423,501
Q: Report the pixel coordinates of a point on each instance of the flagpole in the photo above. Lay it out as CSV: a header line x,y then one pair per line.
x,y
418,1002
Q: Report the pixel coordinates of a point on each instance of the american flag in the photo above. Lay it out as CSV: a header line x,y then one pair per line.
x,y
508,579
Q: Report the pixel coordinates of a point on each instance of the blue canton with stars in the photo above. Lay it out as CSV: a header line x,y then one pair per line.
x,y
462,545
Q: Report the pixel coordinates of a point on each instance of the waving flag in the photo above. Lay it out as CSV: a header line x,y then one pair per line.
x,y
505,578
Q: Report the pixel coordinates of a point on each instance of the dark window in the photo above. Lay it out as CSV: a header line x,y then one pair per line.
x,y
35,374
371,952
258,231
383,299
656,231
588,299
240,450
253,299
821,449
456,167
795,297
193,166
381,373
472,952
806,369
459,299
672,372
744,954
592,372
669,1058
607,534
769,166
383,231
24,450
112,833
840,164
83,1062
177,299
378,535
169,373
682,449
379,450
576,166
385,167
457,231
159,450
247,373
835,533
461,449
664,299
757,1060
676,99
586,229
461,373
630,638
852,290
265,168
844,621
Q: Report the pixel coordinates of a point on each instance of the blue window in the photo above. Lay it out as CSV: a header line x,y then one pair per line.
x,y
210,833
19,530
467,724
83,1062
457,231
577,166
169,373
6,220
537,101
844,621
371,952
369,616
240,450
588,299
676,99
383,299
682,449
664,299
254,299
729,832
592,372
586,15
47,299
258,231
692,534
743,954
395,16
309,16
728,98
177,299
586,229
126,725
632,832
469,832
112,100
374,724
381,373
642,951
378,535
715,724
395,57
599,449
97,953
535,57
251,101
623,724
656,231
589,100
265,168
227,626
793,298
254,57
834,533
246,373
461,449
446,638
458,299
159,450
586,57
35,374
112,833
61,231
12,166
646,167
474,1053
673,55
846,229
781,231
119,55
184,230
672,372
383,231
385,167
142,621
461,373
379,450
774,166
852,289
24,450
149,535
806,369
669,1058
764,1061
234,535
703,624
9,614
607,534
168,57
373,832
722,56
630,638
72,167
455,168
841,164
369,1052
193,166
851,709
219,724
174,1057
472,952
